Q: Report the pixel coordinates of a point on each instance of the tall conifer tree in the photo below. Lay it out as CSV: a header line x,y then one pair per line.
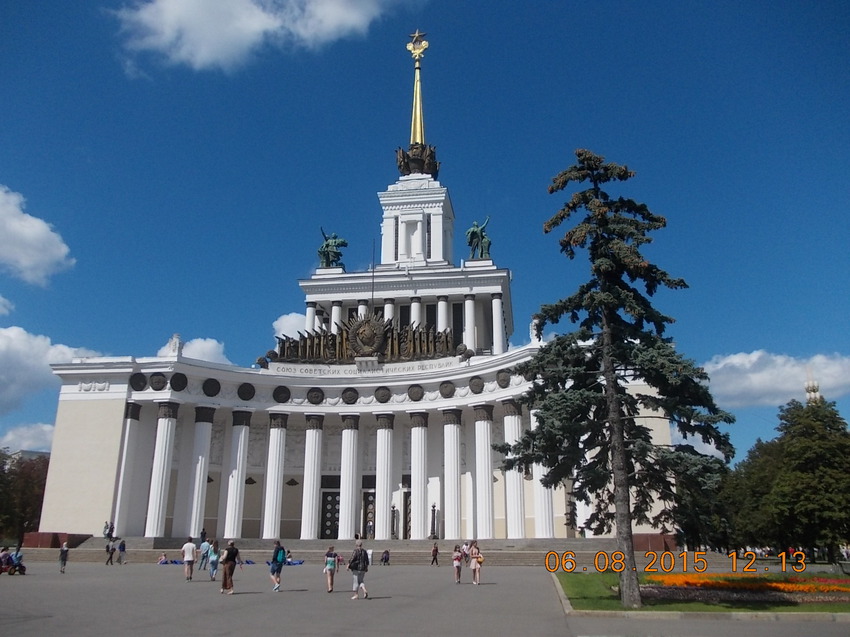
x,y
588,435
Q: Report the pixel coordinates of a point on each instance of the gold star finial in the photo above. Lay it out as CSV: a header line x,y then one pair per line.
x,y
417,44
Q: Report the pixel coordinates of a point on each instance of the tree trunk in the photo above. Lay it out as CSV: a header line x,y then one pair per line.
x,y
629,587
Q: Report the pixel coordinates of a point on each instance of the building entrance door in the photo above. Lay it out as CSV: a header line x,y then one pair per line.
x,y
329,522
367,528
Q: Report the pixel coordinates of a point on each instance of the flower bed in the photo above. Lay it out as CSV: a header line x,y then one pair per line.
x,y
724,587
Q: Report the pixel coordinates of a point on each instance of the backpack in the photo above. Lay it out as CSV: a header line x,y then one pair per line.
x,y
280,555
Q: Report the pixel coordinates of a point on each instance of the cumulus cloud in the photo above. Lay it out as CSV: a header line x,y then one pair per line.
x,y
29,437
289,324
202,349
29,247
6,306
222,34
25,365
761,378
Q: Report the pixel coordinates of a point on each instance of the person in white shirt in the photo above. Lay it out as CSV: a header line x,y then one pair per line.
x,y
190,551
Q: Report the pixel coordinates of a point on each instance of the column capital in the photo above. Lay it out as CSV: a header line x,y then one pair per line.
x,y
204,414
315,421
415,299
451,416
496,295
336,304
483,412
388,300
512,407
278,420
132,411
385,421
168,410
442,297
350,421
241,418
419,419
312,304
468,297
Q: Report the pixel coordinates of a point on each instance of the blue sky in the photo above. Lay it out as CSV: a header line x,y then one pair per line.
x,y
166,165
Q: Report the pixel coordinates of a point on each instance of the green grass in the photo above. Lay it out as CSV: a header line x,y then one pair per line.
x,y
593,591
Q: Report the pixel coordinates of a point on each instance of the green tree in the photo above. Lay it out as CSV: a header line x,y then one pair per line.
x,y
25,480
588,433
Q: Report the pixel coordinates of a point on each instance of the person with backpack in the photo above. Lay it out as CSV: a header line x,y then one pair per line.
x,y
358,565
278,558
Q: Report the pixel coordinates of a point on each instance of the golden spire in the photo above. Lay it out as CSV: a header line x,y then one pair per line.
x,y
417,46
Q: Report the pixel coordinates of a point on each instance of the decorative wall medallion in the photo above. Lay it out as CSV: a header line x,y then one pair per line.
x,y
158,381
503,378
383,394
179,382
246,391
415,392
281,394
476,384
447,389
315,396
138,381
350,395
211,387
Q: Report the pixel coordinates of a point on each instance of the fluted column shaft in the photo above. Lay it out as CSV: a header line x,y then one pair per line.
x,y
200,467
129,458
514,500
483,472
310,319
389,309
498,324
273,498
442,313
336,316
544,519
161,470
349,472
235,507
416,311
469,335
362,307
383,477
312,478
419,519
451,473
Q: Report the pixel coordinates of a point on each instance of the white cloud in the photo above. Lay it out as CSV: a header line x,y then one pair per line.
x,y
762,378
209,34
29,437
202,349
696,442
29,247
6,306
25,365
289,324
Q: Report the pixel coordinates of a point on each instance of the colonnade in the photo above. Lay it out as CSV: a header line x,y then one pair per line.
x,y
480,511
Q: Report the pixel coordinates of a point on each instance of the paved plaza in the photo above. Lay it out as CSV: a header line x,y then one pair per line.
x,y
146,599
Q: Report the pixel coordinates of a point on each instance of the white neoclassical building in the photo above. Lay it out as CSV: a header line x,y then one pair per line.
x,y
378,419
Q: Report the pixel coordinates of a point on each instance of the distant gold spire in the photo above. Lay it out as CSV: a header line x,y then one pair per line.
x,y
417,46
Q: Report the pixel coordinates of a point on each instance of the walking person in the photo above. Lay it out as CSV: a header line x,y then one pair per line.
x,y
434,553
110,551
63,557
358,565
122,552
205,555
465,552
278,558
457,562
475,560
215,555
229,559
190,552
330,567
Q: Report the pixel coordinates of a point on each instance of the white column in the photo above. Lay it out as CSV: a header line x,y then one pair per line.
x,y
483,472
498,324
442,313
544,518
310,320
235,506
129,458
161,470
362,307
469,321
420,239
514,500
383,477
451,473
348,470
336,316
200,467
312,478
389,309
419,476
273,498
416,311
